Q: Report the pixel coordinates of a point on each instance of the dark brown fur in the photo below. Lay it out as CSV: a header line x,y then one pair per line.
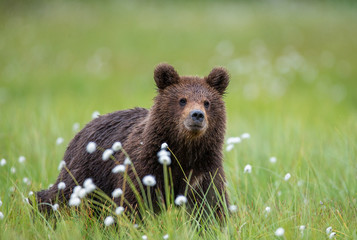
x,y
142,132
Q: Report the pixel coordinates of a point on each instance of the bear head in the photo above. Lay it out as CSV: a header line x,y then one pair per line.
x,y
190,106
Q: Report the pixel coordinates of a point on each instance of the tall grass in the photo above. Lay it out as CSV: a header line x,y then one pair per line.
x,y
292,89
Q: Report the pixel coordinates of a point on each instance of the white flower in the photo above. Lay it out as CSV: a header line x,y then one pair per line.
x,y
26,200
91,146
180,199
82,193
26,180
166,236
13,170
61,165
0,203
30,193
119,168
88,183
287,177
165,160
108,221
1,216
149,180
272,159
279,232
302,228
136,225
2,162
107,153
127,161
144,237
164,157
61,185
51,185
248,168
245,136
332,235
12,189
164,145
89,186
163,152
116,146
75,127
22,159
117,192
95,114
119,210
328,230
229,147
76,191
74,201
55,207
233,208
233,140
59,141
267,209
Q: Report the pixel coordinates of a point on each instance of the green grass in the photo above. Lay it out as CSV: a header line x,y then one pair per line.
x,y
293,88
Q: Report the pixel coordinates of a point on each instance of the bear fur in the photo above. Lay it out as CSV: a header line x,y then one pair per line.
x,y
188,114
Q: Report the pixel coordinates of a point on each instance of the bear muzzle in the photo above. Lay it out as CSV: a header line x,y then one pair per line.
x,y
196,121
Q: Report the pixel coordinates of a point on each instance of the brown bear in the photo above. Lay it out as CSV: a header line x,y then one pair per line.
x,y
188,115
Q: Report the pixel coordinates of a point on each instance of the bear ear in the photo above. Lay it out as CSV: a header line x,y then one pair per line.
x,y
165,75
218,79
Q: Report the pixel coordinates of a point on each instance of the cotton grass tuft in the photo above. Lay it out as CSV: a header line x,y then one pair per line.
x,y
180,200
248,168
149,181
117,146
22,159
3,162
164,157
91,146
279,232
108,221
61,165
95,114
119,168
233,208
117,192
119,210
59,141
107,154
287,177
55,207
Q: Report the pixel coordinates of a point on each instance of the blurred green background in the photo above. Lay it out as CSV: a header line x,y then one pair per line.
x,y
293,81
291,64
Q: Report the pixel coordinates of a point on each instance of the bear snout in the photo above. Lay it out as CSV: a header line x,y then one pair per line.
x,y
196,122
197,116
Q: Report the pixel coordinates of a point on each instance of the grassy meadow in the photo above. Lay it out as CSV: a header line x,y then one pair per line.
x,y
293,89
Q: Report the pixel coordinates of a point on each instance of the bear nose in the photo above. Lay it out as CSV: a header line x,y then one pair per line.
x,y
197,115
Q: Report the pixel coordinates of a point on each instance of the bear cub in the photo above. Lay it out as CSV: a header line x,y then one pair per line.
x,y
188,115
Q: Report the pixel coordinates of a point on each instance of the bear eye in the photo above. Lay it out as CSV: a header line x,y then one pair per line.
x,y
183,101
206,104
